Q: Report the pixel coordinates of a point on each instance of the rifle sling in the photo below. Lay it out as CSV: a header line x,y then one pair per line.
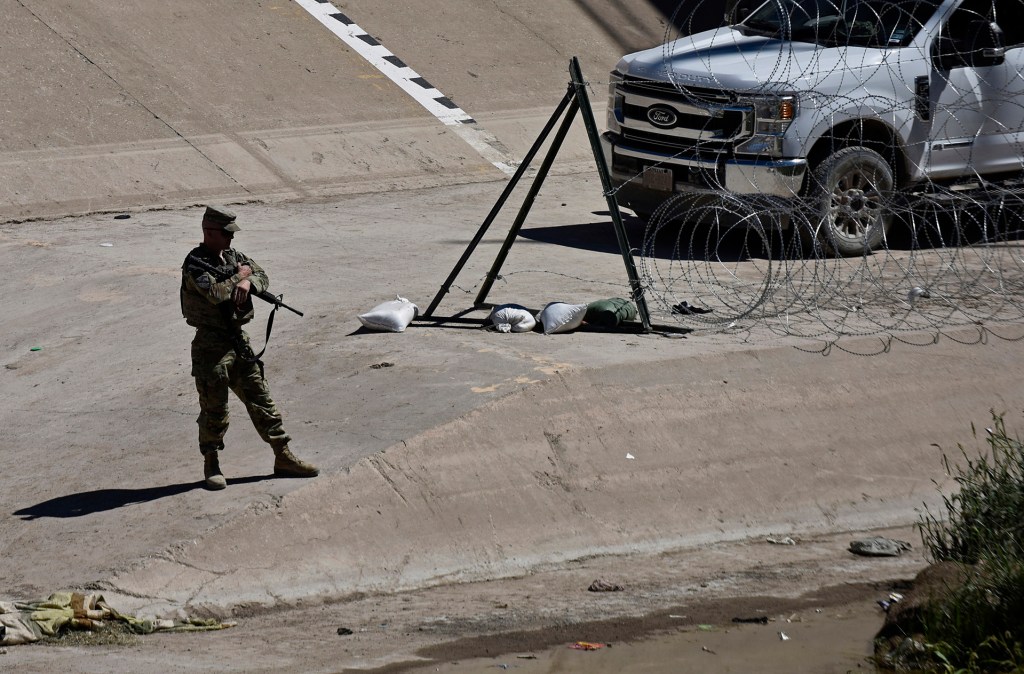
x,y
255,358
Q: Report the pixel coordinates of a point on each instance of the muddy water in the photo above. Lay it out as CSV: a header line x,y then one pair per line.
x,y
834,640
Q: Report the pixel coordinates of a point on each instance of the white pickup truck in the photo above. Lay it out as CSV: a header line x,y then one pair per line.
x,y
838,103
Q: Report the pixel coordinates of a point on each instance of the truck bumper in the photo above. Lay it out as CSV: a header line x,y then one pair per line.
x,y
639,189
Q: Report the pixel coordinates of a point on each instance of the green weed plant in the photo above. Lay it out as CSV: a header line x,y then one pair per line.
x,y
978,626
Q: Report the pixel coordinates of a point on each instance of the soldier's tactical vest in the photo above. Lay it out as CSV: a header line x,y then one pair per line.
x,y
200,312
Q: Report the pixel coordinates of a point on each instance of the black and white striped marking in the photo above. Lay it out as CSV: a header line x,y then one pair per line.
x,y
424,93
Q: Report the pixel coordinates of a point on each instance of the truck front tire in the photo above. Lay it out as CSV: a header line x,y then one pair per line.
x,y
850,199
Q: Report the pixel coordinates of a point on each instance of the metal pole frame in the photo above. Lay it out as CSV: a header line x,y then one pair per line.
x,y
499,203
577,101
580,87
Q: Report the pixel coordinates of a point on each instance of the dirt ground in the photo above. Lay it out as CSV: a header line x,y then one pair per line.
x,y
817,592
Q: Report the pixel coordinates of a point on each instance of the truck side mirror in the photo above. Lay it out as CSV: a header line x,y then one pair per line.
x,y
979,46
987,45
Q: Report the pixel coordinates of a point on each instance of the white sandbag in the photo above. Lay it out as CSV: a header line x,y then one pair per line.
x,y
559,317
512,318
391,316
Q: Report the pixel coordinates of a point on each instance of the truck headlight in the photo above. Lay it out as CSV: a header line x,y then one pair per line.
x,y
615,103
772,115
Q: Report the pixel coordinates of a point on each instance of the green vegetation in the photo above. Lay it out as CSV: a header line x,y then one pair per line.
x,y
978,625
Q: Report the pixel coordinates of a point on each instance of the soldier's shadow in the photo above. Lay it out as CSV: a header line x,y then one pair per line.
x,y
99,500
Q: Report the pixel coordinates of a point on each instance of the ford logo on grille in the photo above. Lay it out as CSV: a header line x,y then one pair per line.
x,y
662,116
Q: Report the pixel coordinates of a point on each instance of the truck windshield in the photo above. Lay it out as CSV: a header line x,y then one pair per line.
x,y
861,23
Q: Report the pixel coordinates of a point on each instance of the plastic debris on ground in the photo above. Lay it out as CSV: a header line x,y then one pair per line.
x,y
780,540
783,636
29,622
604,586
685,308
629,456
893,598
585,646
879,546
759,620
917,292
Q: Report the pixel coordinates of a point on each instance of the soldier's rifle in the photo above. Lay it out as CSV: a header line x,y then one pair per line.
x,y
220,275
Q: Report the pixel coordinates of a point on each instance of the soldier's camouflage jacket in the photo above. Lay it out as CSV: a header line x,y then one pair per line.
x,y
205,302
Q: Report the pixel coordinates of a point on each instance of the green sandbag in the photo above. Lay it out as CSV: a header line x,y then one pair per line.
x,y
610,313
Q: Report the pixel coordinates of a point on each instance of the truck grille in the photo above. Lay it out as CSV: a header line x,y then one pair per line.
x,y
676,92
707,118
657,144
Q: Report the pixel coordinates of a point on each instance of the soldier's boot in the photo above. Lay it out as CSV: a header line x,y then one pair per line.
x,y
211,470
287,464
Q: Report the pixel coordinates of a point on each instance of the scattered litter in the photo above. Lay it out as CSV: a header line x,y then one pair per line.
x,y
378,366
344,631
107,245
604,586
630,456
916,292
512,318
28,622
879,546
893,598
585,646
783,636
686,308
677,617
36,348
528,656
393,316
708,650
558,317
706,628
760,620
783,540
122,216
502,666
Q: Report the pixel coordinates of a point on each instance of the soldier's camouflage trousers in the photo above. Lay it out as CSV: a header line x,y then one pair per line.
x,y
217,368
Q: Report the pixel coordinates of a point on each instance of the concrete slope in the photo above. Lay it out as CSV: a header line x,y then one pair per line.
x,y
726,446
141,104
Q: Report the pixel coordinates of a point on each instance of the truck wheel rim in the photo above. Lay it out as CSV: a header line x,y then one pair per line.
x,y
857,203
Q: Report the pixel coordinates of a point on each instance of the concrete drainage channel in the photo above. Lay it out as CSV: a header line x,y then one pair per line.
x,y
498,493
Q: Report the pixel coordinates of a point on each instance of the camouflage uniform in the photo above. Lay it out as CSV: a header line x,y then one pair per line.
x,y
221,353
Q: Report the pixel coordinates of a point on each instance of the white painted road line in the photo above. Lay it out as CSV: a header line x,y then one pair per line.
x,y
436,103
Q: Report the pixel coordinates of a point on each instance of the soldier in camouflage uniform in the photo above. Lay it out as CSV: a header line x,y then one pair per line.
x,y
221,356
